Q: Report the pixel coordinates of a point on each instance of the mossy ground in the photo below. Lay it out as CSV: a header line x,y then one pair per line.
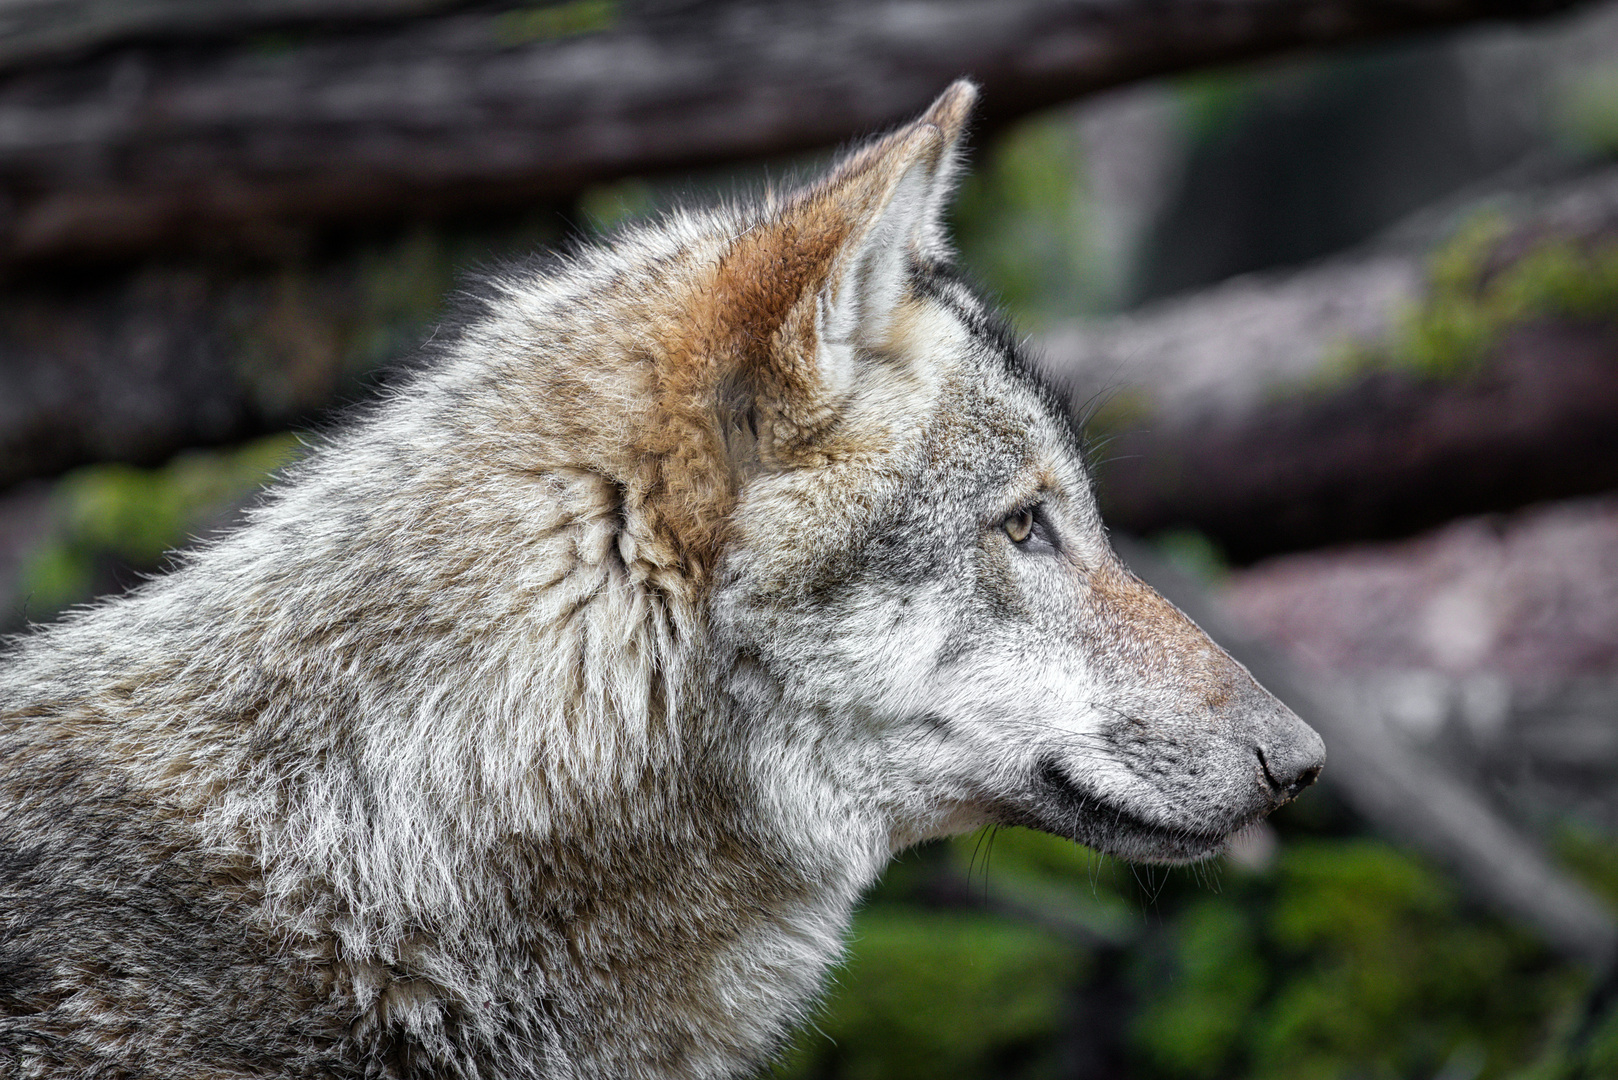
x,y
113,522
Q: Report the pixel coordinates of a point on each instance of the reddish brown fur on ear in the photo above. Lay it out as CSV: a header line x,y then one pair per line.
x,y
776,265
773,267
766,288
751,336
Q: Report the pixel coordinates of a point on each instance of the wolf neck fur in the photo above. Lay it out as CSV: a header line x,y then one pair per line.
x,y
508,744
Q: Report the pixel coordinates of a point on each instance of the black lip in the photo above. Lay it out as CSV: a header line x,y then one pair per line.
x,y
1063,807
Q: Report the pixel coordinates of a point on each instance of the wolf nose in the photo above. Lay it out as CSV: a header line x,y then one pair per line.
x,y
1289,773
1305,778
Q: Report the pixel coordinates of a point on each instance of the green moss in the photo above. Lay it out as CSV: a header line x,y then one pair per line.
x,y
1471,303
131,516
1196,1027
1585,1047
958,994
1352,959
1591,855
1449,332
550,21
1599,1055
932,994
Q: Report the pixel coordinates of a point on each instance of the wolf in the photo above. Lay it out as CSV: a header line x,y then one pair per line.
x,y
551,719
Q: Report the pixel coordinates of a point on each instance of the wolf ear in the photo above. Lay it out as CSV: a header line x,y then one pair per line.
x,y
770,335
804,291
889,199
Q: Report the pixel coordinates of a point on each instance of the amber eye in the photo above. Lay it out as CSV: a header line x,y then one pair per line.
x,y
1019,524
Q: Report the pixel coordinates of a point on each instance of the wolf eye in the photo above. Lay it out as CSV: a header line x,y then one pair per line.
x,y
1019,524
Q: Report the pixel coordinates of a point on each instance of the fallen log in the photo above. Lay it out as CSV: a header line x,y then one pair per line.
x,y
1234,411
1527,598
144,124
1464,366
136,367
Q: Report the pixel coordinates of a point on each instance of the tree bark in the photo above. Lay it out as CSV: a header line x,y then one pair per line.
x,y
174,124
33,32
1239,413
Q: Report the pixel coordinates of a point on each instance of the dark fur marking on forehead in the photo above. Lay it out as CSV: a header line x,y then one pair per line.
x,y
944,284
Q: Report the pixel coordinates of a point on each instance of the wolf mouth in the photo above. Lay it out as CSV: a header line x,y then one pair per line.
x,y
1063,807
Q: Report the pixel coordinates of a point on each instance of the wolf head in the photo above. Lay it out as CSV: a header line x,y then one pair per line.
x,y
915,561
831,454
